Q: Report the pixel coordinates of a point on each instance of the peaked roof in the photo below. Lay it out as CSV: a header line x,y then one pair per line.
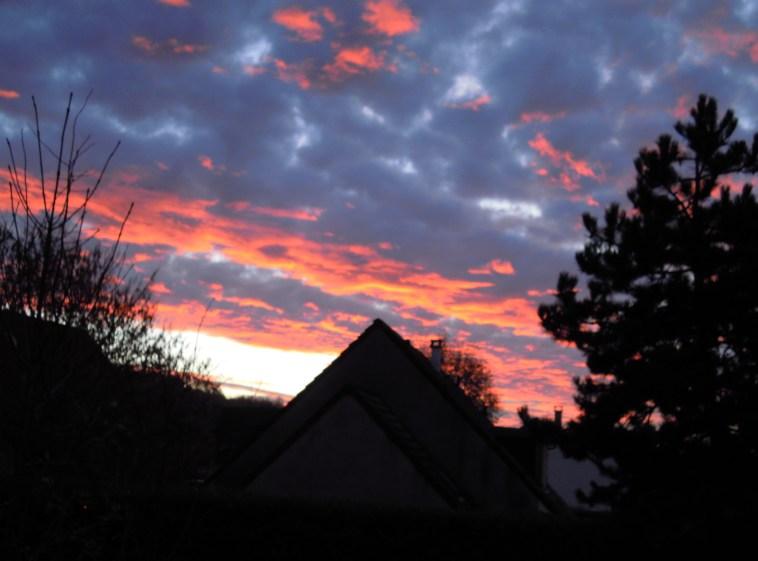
x,y
426,415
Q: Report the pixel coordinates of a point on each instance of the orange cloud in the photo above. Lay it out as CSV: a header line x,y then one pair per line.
x,y
197,227
176,3
301,22
495,266
216,291
520,378
170,46
570,167
353,60
356,271
502,267
8,94
294,72
389,17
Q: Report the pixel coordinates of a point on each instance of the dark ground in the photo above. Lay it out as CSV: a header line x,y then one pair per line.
x,y
199,525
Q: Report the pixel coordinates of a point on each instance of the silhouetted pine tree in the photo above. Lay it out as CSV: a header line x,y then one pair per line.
x,y
668,324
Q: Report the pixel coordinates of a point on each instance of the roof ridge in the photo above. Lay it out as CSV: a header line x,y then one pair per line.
x,y
447,388
404,438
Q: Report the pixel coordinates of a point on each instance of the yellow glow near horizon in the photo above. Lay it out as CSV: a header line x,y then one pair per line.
x,y
263,370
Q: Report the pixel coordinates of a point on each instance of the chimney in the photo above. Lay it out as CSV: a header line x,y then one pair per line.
x,y
558,415
437,354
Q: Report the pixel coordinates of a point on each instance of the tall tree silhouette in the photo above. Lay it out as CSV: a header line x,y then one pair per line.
x,y
668,323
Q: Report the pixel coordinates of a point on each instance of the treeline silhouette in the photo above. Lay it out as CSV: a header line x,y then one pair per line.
x,y
83,441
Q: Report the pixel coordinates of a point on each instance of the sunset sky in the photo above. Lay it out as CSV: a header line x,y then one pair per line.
x,y
302,168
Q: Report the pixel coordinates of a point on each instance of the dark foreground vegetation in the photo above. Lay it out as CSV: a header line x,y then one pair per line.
x,y
200,525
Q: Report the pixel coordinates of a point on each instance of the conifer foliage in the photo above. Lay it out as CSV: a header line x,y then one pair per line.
x,y
667,318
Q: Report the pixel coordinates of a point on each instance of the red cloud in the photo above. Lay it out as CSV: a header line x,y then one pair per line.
x,y
353,60
170,46
389,17
176,3
8,94
301,22
294,72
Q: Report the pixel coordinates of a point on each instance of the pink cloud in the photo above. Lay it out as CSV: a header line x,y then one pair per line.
x,y
682,108
253,70
329,15
717,40
540,117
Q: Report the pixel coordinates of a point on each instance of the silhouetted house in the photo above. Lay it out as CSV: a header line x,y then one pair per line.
x,y
559,476
381,426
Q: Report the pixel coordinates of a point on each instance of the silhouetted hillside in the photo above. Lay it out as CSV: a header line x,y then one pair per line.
x,y
69,416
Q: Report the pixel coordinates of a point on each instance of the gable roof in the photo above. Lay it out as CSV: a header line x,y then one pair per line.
x,y
450,442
